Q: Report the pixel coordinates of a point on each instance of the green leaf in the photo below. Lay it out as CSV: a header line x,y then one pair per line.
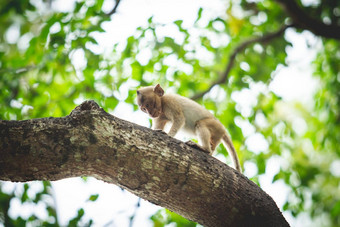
x,y
199,14
76,220
93,197
24,196
335,212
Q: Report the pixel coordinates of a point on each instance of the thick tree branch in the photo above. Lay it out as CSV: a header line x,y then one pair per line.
x,y
305,21
225,75
150,164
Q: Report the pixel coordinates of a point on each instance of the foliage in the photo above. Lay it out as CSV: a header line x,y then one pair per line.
x,y
166,217
26,199
49,62
34,195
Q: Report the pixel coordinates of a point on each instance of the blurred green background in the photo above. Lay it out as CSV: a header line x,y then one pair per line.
x,y
53,59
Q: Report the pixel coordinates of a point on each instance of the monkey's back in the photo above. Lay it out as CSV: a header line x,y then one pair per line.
x,y
192,111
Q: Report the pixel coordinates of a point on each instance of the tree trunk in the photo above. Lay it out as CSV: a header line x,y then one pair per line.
x,y
150,164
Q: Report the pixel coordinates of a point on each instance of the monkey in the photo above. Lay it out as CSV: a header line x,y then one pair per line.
x,y
185,115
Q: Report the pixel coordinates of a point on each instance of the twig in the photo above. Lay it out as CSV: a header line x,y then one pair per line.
x,y
134,214
18,70
238,49
114,8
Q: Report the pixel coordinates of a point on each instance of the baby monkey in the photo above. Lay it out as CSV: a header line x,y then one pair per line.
x,y
185,115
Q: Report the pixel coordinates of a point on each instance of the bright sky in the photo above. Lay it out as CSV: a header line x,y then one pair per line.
x,y
114,206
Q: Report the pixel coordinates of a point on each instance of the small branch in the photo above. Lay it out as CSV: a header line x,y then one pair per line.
x,y
132,218
305,21
18,70
114,10
224,77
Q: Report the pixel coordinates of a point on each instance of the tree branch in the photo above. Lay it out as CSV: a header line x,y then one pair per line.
x,y
224,77
305,21
113,11
150,164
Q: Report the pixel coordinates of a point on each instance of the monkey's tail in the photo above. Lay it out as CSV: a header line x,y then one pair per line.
x,y
232,152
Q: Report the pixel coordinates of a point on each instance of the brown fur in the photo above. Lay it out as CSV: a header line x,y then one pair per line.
x,y
186,115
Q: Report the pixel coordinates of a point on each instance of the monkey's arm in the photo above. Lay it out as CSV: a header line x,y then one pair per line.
x,y
172,111
159,123
178,120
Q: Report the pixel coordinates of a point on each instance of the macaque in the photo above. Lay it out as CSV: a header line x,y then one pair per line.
x,y
186,115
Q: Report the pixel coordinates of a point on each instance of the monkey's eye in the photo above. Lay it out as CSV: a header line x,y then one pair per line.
x,y
143,109
147,105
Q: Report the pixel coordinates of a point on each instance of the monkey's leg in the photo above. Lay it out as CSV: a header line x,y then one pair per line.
x,y
204,135
216,131
215,139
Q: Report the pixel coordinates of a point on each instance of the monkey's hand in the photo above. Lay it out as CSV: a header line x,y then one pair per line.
x,y
196,146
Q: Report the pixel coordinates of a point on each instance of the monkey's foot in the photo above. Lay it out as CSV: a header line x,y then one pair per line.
x,y
195,145
160,130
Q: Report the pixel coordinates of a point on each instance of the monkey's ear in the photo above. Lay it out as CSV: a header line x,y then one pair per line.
x,y
158,90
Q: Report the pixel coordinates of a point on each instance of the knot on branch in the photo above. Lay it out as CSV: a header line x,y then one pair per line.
x,y
86,105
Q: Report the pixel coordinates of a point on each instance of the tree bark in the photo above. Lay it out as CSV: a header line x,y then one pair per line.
x,y
150,164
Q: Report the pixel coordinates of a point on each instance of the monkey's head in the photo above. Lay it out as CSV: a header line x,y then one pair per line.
x,y
149,100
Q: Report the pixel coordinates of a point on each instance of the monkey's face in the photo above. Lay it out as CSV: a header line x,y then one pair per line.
x,y
149,101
